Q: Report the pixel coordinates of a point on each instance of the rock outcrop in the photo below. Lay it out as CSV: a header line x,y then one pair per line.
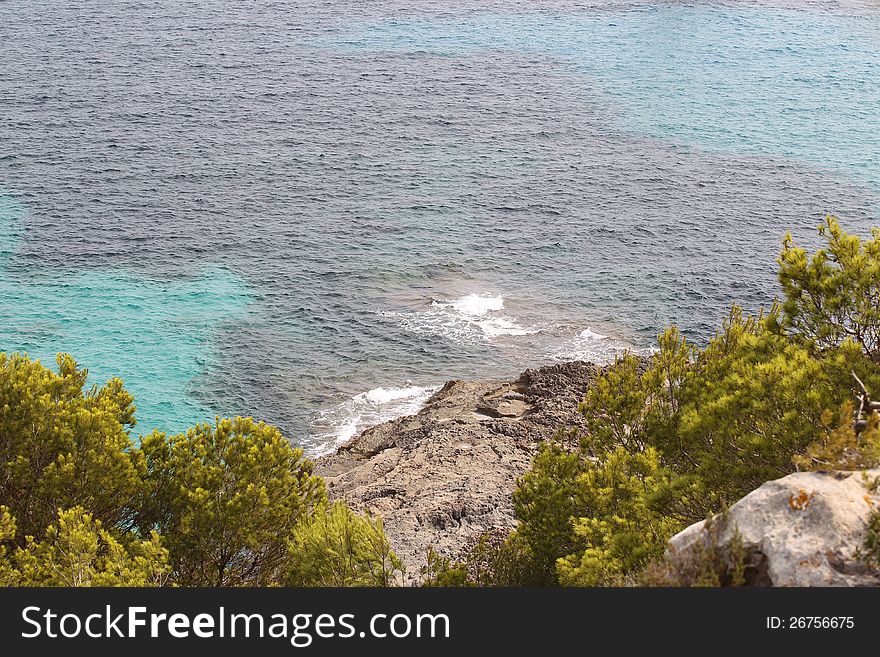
x,y
445,475
802,530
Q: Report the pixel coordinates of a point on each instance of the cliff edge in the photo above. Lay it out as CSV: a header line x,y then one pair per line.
x,y
445,475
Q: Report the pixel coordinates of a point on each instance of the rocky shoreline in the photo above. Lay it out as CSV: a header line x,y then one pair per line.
x,y
445,475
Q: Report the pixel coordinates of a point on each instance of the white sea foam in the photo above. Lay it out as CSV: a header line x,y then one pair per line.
x,y
474,304
501,326
592,346
590,334
468,319
382,396
338,424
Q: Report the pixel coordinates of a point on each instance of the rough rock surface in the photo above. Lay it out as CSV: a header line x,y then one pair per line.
x,y
445,475
803,529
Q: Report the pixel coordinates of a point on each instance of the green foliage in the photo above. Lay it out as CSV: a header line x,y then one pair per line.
x,y
755,400
841,448
217,506
618,530
679,436
8,574
495,559
226,498
545,501
670,441
615,407
507,561
62,445
338,547
441,571
78,551
834,295
706,563
870,550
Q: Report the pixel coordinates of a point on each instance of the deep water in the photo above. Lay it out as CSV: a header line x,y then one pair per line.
x,y
315,212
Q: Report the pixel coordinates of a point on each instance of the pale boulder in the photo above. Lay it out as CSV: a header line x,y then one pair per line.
x,y
804,529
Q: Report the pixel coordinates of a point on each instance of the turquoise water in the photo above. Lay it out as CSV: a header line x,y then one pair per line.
x,y
156,335
758,81
315,213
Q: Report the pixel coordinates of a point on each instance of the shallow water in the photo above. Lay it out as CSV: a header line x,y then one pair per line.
x,y
316,212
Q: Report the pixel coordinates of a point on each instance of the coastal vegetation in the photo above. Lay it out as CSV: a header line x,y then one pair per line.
x,y
224,504
666,441
678,437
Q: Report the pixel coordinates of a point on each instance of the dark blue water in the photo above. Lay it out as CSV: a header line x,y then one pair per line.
x,y
313,212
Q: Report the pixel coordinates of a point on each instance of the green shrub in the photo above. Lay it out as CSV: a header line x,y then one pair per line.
x,y
338,547
219,505
706,563
545,501
77,551
494,559
681,435
226,498
441,571
618,529
833,296
840,448
64,445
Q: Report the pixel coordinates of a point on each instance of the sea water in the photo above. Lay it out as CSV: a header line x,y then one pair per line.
x,y
316,213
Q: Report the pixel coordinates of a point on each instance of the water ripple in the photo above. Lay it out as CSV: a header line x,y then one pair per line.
x,y
274,207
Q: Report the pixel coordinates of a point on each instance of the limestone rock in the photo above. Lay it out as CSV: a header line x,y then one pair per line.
x,y
804,529
445,475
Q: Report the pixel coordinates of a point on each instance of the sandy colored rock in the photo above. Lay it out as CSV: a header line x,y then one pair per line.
x,y
804,529
445,475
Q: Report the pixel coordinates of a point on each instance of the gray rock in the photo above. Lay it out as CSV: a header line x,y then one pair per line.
x,y
445,475
804,529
